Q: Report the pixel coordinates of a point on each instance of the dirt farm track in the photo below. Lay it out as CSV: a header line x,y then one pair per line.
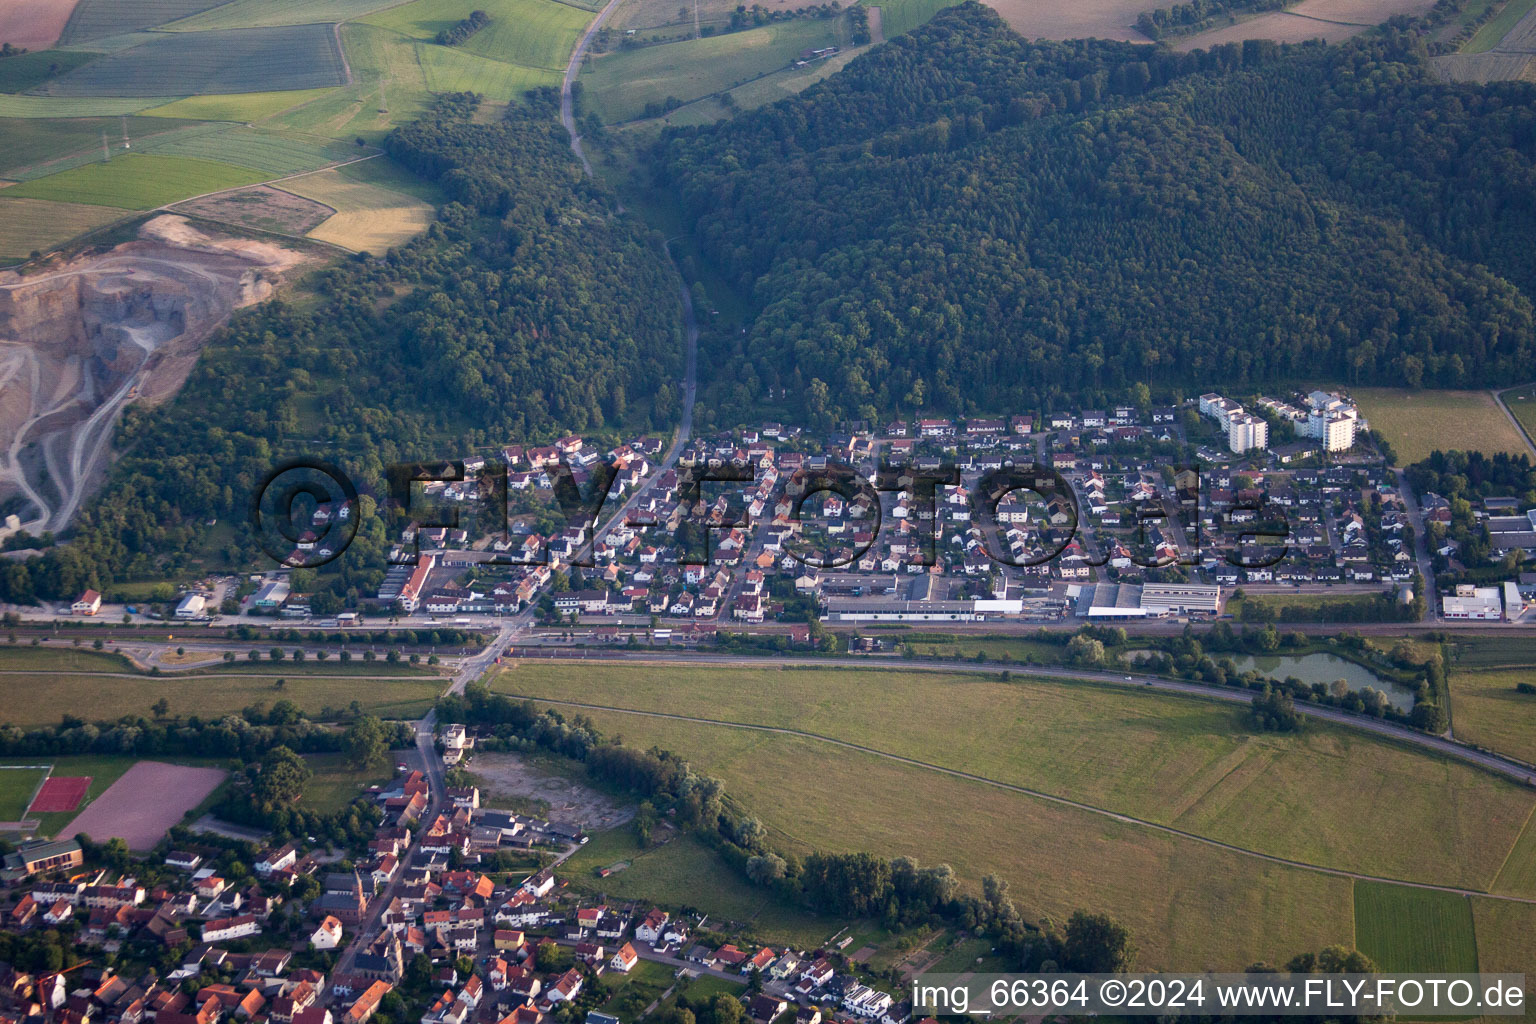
x,y
141,806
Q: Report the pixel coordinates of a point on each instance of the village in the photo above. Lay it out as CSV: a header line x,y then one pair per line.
x,y
423,925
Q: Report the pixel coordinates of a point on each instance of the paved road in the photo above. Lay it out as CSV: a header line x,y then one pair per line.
x,y
1506,767
1420,548
433,766
968,776
572,69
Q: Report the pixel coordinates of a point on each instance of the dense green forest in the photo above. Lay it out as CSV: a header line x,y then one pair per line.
x,y
530,308
963,220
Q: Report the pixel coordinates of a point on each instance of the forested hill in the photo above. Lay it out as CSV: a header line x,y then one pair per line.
x,y
531,308
977,222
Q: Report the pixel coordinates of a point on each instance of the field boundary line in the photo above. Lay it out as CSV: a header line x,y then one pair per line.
x,y
1529,819
1498,398
1038,794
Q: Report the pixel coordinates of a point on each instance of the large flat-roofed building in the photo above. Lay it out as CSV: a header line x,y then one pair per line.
x,y
1245,431
44,855
1483,604
1184,598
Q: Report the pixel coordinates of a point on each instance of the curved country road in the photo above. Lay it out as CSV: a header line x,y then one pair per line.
x,y
984,780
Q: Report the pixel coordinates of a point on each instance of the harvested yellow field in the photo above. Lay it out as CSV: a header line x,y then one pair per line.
x,y
368,217
28,224
1419,422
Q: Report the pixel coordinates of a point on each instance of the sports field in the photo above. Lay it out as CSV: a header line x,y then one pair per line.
x,y
1411,930
619,85
60,794
239,60
28,224
17,785
101,770
1418,422
1182,762
136,181
369,217
1486,709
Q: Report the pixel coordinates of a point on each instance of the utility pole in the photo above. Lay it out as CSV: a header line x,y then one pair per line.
x,y
125,134
106,153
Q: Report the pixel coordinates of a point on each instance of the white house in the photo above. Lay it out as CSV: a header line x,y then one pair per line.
x,y
328,935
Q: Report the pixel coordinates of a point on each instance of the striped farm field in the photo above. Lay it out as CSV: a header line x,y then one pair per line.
x,y
77,106
187,63
243,106
1409,930
136,181
32,142
268,13
267,152
36,224
369,217
29,70
533,33
94,19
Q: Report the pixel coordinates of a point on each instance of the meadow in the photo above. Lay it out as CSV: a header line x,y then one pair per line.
x,y
619,85
28,224
1188,905
136,181
234,61
1521,403
334,785
898,16
532,33
1186,763
685,873
270,153
1418,422
28,70
1506,943
1411,930
1486,709
1518,878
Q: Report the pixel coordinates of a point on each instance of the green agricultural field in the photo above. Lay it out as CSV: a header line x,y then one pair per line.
x,y
136,181
1506,943
145,134
38,696
898,16
33,141
389,88
60,659
334,785
239,60
16,788
28,70
266,152
1486,709
1177,761
1408,930
531,33
76,106
619,85
1189,905
448,69
1497,27
269,13
35,224
243,107
95,19
1483,650
1418,422
685,872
